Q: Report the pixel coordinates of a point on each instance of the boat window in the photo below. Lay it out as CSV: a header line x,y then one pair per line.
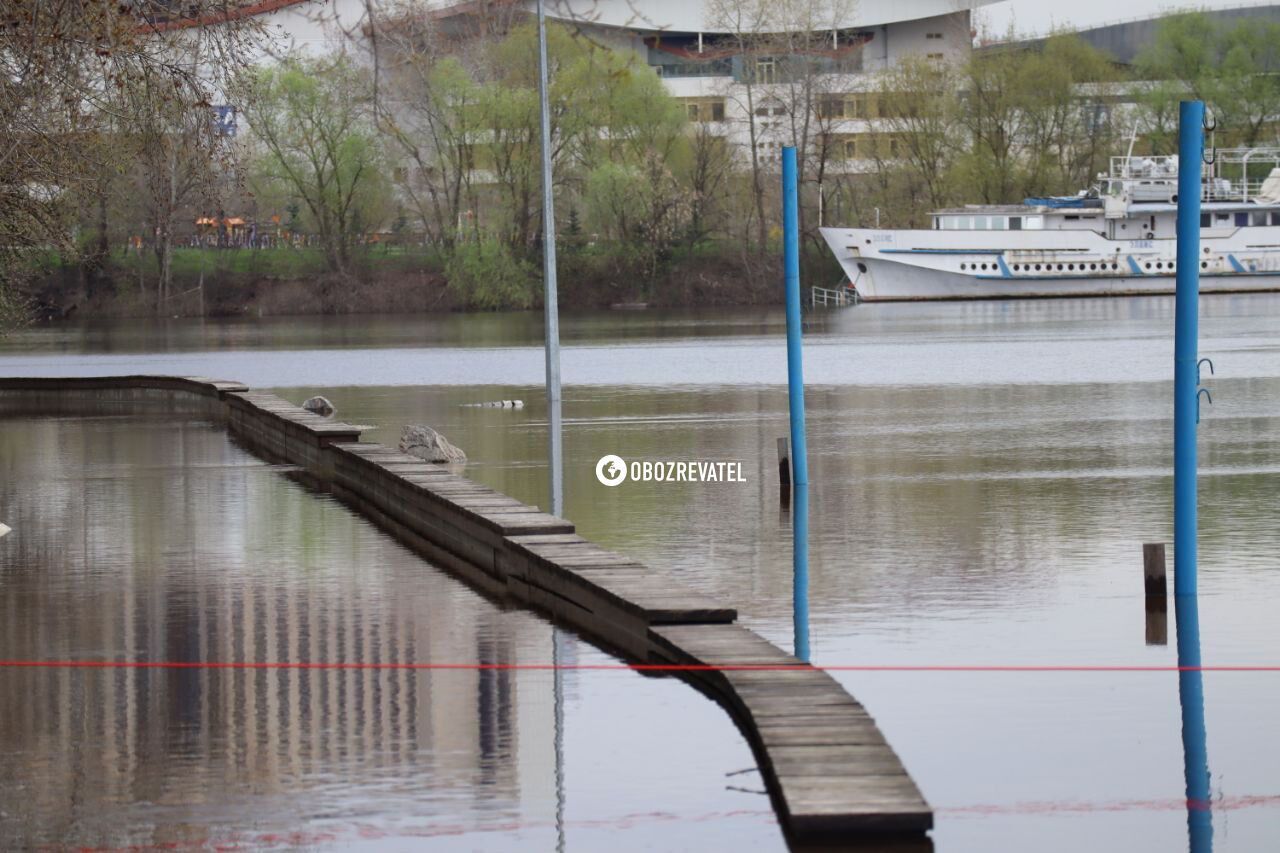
x,y
1206,220
1224,217
999,223
1015,223
1258,217
1071,217
980,223
1242,219
1033,223
1275,217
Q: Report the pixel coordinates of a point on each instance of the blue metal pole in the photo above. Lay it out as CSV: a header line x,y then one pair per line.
x,y
1185,346
1195,748
791,266
800,574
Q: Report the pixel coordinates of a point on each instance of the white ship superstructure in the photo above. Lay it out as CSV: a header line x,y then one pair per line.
x,y
1116,239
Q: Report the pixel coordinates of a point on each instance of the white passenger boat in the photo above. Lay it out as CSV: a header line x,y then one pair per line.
x,y
1115,239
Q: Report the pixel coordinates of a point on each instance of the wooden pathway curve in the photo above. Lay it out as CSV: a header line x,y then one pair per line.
x,y
824,760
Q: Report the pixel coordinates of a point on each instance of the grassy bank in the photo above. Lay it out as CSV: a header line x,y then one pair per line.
x,y
283,281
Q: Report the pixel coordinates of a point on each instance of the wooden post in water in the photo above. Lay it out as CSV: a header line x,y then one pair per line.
x,y
1153,572
1157,621
784,464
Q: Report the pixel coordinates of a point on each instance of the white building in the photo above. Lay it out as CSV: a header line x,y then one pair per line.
x,y
697,47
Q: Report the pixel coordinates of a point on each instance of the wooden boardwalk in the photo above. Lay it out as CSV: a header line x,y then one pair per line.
x,y
827,767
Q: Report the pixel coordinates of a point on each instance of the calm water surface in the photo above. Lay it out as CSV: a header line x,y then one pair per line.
x,y
983,478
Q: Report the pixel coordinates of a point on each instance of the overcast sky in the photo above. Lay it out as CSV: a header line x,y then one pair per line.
x,y
1040,16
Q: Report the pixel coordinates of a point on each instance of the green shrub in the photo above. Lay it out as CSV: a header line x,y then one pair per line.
x,y
486,275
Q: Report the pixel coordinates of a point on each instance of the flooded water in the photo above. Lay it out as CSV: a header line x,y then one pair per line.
x,y
983,476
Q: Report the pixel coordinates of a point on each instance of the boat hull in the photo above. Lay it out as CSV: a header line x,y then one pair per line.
x,y
903,266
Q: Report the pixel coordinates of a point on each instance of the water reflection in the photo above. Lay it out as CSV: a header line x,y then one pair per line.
x,y
1156,609
800,571
146,539
1195,749
201,554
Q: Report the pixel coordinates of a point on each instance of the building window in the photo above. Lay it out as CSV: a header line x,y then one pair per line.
x,y
933,36
830,106
937,57
766,70
771,107
705,109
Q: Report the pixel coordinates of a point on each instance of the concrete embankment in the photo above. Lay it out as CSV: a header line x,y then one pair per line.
x,y
824,760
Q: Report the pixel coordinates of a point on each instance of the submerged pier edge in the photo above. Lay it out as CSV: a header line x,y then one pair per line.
x,y
827,767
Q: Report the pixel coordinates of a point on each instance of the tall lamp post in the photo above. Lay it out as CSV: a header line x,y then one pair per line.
x,y
550,307
551,313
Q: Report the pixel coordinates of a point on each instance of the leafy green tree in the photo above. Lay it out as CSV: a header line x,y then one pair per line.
x,y
1234,69
313,121
993,120
469,124
920,106
486,274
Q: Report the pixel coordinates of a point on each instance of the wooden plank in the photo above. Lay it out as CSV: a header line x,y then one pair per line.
x,y
547,538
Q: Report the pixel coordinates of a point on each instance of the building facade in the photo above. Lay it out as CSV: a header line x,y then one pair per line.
x,y
734,65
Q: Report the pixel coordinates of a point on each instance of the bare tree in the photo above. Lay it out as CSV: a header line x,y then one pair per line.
x,y
65,66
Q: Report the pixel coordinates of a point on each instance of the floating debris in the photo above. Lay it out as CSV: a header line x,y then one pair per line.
x,y
498,404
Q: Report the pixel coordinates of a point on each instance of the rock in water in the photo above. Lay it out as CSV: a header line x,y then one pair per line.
x,y
425,443
319,405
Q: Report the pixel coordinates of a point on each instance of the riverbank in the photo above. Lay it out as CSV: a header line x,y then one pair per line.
x,y
279,282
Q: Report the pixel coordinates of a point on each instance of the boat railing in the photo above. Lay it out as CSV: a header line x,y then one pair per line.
x,y
826,297
1233,174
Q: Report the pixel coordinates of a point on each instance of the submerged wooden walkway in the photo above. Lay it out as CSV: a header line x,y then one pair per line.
x,y
828,768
